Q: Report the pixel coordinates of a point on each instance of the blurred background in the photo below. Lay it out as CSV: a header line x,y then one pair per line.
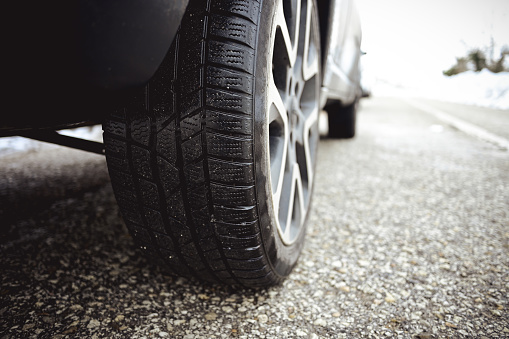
x,y
412,45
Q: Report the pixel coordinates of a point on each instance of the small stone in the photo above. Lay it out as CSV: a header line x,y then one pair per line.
x,y
119,318
203,297
389,298
337,264
163,334
363,263
345,288
450,325
496,313
335,315
27,327
76,307
70,330
211,316
320,322
227,309
424,335
445,267
478,300
262,318
301,333
93,324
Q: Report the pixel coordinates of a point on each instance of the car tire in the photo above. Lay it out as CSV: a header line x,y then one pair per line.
x,y
212,164
342,120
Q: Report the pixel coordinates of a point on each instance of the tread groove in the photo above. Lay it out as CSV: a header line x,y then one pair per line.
x,y
155,172
210,206
226,40
138,194
227,67
182,176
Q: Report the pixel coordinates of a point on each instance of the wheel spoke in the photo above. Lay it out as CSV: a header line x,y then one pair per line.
x,y
310,141
290,47
310,57
278,141
296,209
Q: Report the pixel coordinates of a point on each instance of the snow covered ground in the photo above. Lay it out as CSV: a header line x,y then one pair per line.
x,y
483,88
17,144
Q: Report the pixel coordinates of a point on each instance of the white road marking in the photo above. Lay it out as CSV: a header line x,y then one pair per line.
x,y
462,125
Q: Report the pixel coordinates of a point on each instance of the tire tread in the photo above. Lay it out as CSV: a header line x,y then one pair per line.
x,y
181,160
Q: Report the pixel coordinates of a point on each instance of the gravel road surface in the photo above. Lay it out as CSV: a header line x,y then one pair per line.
x,y
408,238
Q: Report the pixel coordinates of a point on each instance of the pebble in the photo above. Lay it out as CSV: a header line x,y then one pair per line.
x,y
363,263
300,333
496,313
211,316
227,309
27,327
389,298
94,323
320,322
262,318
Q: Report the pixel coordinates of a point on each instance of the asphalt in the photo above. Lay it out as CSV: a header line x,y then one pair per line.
x,y
408,238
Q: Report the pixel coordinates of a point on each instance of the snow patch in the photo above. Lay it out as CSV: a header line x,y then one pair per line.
x,y
10,145
484,88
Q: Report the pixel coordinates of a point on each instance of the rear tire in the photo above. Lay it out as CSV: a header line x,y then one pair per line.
x,y
342,120
212,164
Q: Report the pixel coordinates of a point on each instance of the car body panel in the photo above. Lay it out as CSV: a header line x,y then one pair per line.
x,y
341,75
123,42
71,61
79,74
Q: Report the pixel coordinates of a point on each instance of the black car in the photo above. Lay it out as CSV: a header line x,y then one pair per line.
x,y
210,116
